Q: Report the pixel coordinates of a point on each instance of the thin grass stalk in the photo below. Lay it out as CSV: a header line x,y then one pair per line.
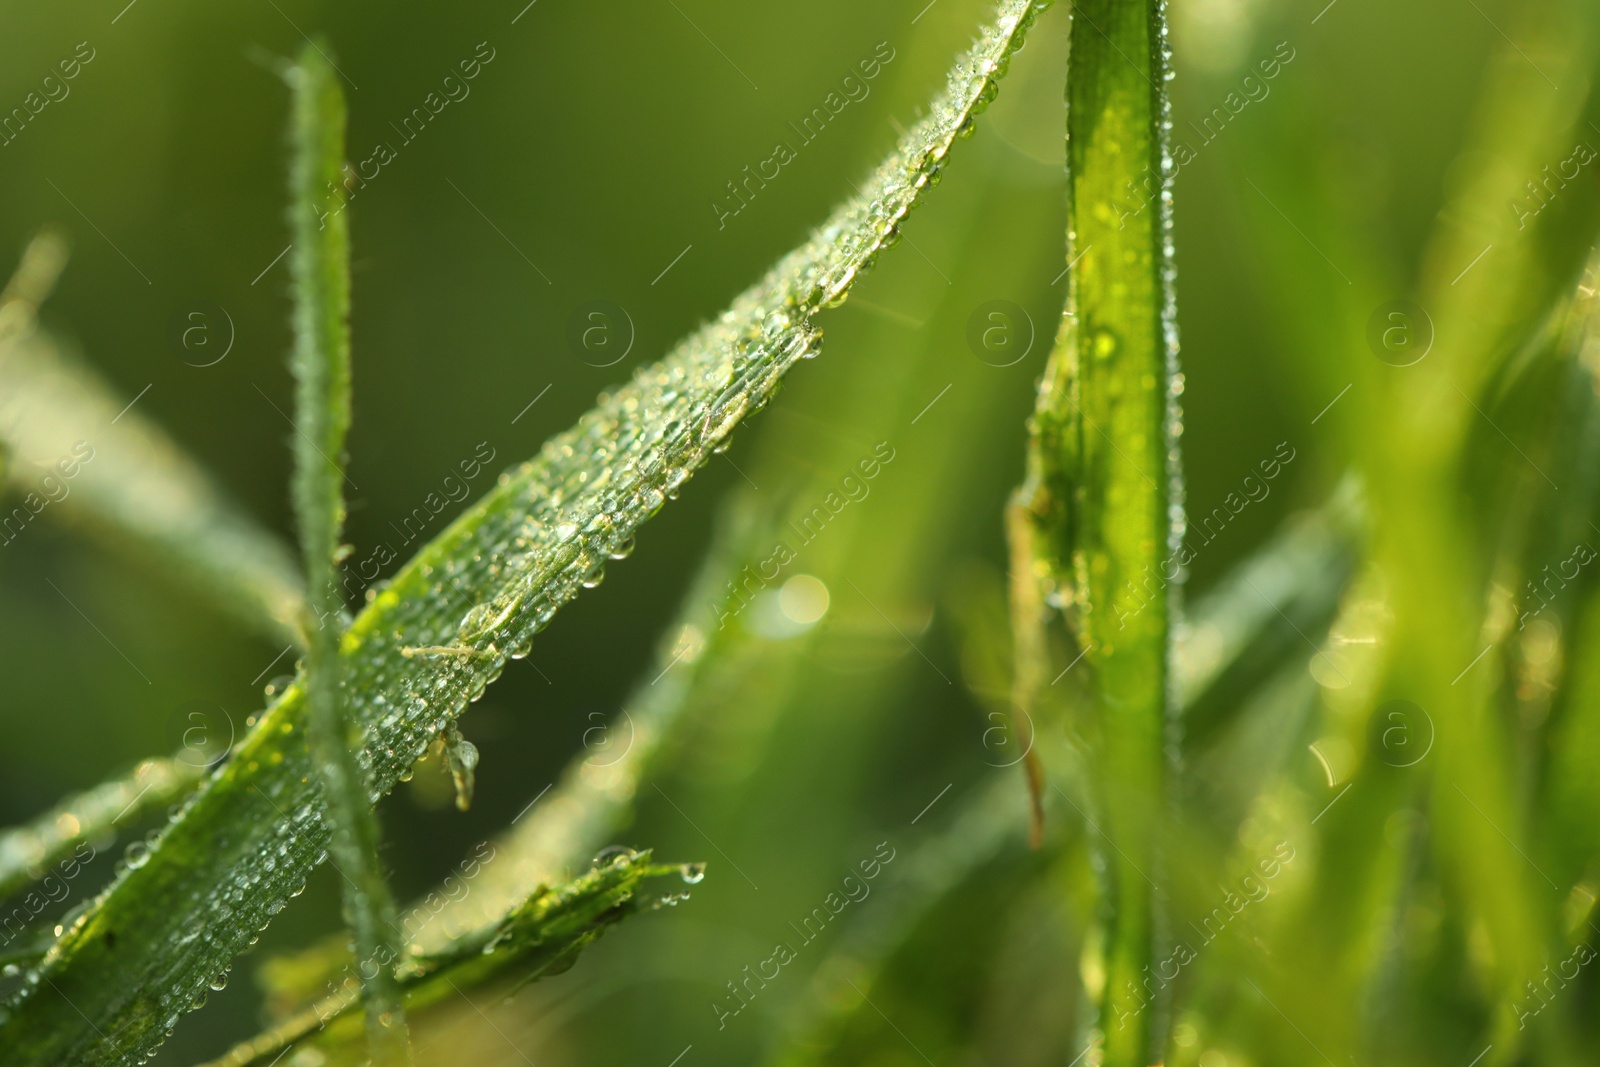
x,y
320,266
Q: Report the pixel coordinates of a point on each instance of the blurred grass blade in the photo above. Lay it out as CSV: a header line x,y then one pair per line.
x,y
28,852
446,625
1236,635
35,279
1418,466
320,267
1222,657
1097,525
909,916
542,935
129,480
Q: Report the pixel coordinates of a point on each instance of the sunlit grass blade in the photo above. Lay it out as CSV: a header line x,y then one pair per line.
x,y
1570,625
129,482
542,935
1416,469
1097,527
565,824
595,794
42,263
444,628
28,853
320,267
1434,514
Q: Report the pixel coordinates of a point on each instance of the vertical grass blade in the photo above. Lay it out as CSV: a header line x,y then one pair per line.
x,y
320,266
1096,528
1481,827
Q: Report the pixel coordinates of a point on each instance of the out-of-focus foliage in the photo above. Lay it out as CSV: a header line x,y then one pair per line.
x,y
1379,838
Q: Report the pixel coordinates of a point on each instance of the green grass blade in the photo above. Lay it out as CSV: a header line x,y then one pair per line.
x,y
986,844
42,263
1235,636
129,482
568,824
540,936
1419,464
320,267
597,790
1222,655
27,853
430,641
1097,524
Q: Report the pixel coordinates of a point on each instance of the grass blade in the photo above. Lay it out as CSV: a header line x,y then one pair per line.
x,y
1097,525
35,279
445,626
27,851
1235,636
596,791
1219,657
320,267
540,936
1441,622
131,482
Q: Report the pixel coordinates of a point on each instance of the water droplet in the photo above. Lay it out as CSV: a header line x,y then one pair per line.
x,y
1103,345
611,853
476,620
693,872
219,982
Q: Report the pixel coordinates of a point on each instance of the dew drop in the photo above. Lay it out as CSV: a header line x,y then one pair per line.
x,y
476,620
611,853
1103,345
693,872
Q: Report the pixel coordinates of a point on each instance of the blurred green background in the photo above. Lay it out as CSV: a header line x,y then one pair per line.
x,y
583,166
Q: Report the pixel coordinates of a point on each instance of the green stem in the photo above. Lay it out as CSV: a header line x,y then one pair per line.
x,y
320,265
1097,527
